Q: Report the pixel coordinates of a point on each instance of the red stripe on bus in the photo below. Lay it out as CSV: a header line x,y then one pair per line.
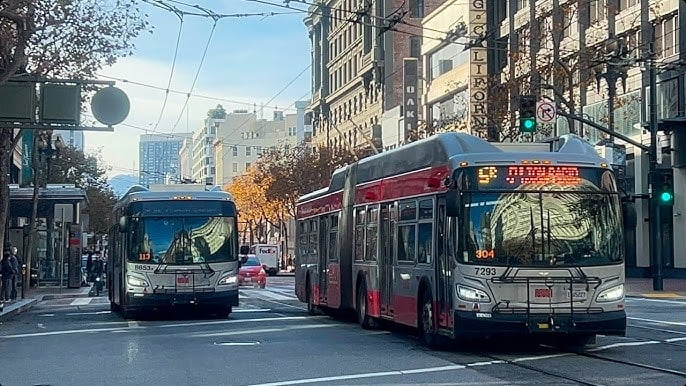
x,y
329,203
407,185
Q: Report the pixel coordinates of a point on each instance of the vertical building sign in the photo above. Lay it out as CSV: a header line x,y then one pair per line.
x,y
26,155
410,108
478,73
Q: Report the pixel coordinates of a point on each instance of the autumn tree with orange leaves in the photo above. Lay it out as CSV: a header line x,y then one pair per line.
x,y
255,209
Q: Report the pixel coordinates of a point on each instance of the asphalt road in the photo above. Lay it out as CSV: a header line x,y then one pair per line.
x,y
270,340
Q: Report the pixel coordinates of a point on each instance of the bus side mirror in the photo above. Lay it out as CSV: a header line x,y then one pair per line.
x,y
244,250
123,224
453,203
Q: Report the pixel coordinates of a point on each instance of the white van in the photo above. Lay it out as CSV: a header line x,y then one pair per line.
x,y
269,255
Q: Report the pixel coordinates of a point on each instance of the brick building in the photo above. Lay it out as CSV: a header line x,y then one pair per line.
x,y
357,66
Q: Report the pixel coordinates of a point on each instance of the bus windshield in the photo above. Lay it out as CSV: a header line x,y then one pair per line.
x,y
183,240
544,223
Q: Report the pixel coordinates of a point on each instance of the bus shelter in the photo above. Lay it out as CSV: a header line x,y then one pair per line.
x,y
57,248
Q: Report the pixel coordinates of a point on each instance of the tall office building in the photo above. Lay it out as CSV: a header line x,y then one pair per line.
x,y
159,157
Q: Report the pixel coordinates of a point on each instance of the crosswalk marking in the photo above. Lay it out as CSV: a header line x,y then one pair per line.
x,y
273,296
81,301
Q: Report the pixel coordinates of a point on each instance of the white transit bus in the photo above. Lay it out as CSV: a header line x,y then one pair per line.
x,y
172,246
459,238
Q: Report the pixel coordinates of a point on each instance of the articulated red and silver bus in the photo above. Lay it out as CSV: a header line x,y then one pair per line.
x,y
458,237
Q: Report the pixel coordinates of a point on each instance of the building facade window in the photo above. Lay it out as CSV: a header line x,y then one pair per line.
x,y
417,9
446,58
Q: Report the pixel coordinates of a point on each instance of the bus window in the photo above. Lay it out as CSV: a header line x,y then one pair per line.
x,y
372,237
426,209
424,243
406,242
408,210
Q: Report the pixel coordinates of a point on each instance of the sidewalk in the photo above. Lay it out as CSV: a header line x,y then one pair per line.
x,y
643,287
36,295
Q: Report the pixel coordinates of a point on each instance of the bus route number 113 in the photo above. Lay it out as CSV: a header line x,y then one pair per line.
x,y
485,254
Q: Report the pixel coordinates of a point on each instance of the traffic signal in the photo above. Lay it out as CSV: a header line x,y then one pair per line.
x,y
664,186
527,114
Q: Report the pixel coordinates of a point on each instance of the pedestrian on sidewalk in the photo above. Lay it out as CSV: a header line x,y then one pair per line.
x,y
15,261
6,272
89,267
98,267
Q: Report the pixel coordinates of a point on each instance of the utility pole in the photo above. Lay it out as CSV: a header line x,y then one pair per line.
x,y
647,33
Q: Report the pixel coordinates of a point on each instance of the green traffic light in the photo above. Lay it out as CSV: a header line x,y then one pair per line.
x,y
528,123
666,197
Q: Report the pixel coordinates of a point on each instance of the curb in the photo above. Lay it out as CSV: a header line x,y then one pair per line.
x,y
18,310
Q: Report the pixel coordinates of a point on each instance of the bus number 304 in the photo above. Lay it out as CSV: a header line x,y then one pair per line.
x,y
484,254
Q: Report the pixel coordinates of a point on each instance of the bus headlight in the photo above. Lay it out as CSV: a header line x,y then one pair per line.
x,y
228,279
134,281
472,294
611,294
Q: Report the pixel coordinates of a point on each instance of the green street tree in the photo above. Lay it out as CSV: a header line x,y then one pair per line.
x,y
86,171
217,113
61,39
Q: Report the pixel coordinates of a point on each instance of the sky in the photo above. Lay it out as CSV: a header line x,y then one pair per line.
x,y
250,59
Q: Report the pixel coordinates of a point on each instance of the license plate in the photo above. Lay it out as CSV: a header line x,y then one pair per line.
x,y
182,280
248,279
578,295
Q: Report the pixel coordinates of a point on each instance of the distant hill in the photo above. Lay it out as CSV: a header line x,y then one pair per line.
x,y
121,183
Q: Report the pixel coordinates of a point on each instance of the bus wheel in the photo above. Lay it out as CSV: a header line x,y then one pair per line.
x,y
427,328
126,314
224,314
366,321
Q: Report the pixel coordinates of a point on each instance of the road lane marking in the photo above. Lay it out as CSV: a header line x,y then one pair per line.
x,y
540,357
89,313
236,343
657,321
273,296
236,321
487,363
657,329
136,326
62,332
264,330
671,340
365,375
285,305
81,301
239,310
624,344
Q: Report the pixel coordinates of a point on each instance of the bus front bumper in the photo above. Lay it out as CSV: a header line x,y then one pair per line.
x,y
606,323
198,299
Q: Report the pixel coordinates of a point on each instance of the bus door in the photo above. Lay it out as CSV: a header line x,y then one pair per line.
x,y
443,266
323,259
386,260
